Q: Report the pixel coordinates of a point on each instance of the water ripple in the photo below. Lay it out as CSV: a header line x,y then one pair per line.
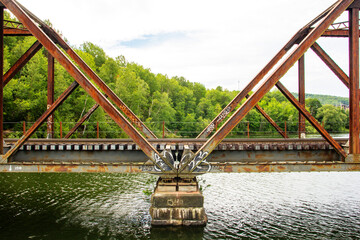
x,y
114,206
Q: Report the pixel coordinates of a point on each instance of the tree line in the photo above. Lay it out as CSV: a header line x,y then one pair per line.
x,y
186,107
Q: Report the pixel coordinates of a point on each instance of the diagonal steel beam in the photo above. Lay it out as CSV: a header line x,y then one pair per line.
x,y
82,120
112,96
331,64
20,63
70,67
311,119
270,120
303,46
241,95
38,122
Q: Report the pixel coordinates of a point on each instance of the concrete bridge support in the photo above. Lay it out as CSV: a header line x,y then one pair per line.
x,y
177,202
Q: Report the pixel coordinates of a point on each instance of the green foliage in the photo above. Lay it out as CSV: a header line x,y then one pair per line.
x,y
313,104
332,117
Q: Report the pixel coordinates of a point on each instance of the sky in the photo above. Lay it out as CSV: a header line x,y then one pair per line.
x,y
217,43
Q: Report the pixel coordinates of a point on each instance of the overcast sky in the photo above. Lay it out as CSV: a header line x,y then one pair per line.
x,y
217,43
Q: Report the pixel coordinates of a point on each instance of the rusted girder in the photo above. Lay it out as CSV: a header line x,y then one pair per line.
x,y
1,81
12,28
20,63
311,119
50,94
300,166
81,79
331,64
16,32
82,120
37,124
269,119
301,92
335,11
241,95
53,35
340,29
354,125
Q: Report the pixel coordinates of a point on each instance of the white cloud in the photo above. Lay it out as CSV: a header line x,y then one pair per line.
x,y
222,43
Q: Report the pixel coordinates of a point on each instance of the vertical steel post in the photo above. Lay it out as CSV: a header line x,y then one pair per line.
x,y
163,125
354,80
2,79
248,129
50,95
301,89
61,131
285,129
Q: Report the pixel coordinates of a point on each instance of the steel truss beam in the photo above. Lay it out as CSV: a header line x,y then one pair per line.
x,y
354,125
50,94
301,108
56,38
12,28
301,91
1,81
269,119
331,64
20,63
38,123
304,39
305,42
241,95
23,15
82,120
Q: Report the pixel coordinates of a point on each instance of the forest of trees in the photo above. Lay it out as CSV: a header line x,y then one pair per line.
x,y
185,107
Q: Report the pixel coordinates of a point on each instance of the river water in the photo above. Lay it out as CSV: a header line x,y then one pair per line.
x,y
239,206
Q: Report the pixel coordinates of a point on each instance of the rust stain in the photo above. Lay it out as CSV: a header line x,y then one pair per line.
x,y
247,169
98,169
354,168
135,170
261,156
228,168
56,168
281,168
263,168
221,156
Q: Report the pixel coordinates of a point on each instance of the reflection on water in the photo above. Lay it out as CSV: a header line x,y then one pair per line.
x,y
114,206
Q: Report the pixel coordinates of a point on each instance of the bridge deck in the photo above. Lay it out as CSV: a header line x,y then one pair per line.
x,y
123,155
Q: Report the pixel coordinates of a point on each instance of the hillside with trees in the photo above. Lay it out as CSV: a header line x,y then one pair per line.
x,y
328,99
185,107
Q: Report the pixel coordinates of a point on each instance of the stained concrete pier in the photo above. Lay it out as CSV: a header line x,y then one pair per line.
x,y
177,202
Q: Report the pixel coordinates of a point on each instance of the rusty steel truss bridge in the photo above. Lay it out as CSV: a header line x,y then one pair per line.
x,y
185,158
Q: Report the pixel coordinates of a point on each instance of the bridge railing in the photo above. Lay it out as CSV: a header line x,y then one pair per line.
x,y
165,129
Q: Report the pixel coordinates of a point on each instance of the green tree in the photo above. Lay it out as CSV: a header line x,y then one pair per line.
x,y
96,51
332,117
313,104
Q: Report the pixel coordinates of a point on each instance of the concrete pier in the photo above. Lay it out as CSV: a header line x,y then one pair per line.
x,y
177,202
